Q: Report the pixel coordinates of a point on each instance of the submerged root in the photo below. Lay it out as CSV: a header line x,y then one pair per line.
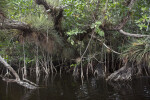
x,y
124,73
127,72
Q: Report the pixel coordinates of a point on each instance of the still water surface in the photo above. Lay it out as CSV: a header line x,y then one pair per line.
x,y
67,88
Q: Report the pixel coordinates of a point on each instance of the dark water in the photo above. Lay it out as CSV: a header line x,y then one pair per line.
x,y
66,88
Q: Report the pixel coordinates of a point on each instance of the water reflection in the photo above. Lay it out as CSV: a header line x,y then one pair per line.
x,y
27,94
138,89
66,88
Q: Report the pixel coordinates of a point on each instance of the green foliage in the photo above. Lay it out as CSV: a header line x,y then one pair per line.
x,y
55,3
17,9
73,65
143,22
96,26
8,45
115,11
75,32
40,22
3,4
77,13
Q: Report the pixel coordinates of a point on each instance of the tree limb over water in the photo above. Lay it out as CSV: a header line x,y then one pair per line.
x,y
28,84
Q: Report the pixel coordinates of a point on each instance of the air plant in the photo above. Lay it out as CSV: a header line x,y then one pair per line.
x,y
138,51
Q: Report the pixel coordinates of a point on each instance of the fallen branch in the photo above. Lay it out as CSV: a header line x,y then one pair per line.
x,y
133,35
28,84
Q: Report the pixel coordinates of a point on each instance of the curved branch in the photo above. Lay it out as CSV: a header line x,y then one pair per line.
x,y
133,35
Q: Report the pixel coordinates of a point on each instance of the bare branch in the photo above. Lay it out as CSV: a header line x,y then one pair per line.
x,y
133,35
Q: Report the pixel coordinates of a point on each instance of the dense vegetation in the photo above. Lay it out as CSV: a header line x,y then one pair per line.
x,y
83,37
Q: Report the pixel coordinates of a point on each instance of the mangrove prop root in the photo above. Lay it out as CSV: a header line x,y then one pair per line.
x,y
124,73
26,83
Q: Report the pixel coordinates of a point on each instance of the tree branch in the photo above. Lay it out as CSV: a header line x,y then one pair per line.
x,y
133,35
13,24
26,84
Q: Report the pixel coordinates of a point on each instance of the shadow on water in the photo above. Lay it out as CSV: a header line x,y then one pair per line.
x,y
67,88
